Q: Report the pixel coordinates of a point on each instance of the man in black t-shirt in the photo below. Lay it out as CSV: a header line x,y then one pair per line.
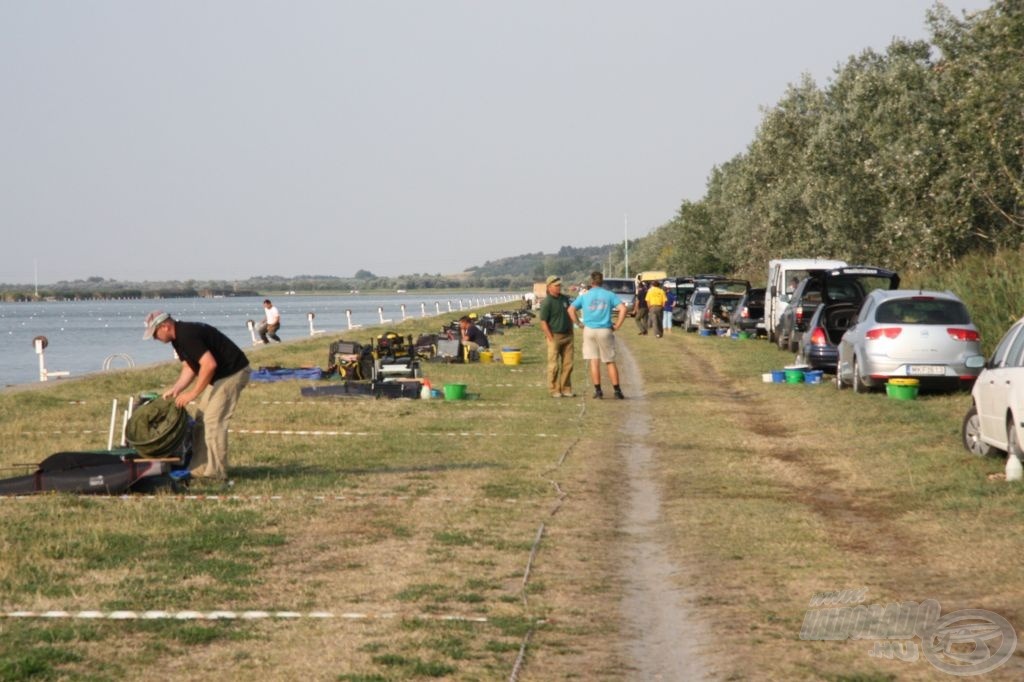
x,y
473,337
213,370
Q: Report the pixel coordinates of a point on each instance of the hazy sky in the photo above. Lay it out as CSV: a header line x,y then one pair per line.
x,y
215,139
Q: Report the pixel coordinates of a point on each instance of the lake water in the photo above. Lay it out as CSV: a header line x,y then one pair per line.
x,y
84,335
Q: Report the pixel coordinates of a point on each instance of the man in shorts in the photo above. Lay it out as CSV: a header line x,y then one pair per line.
x,y
596,306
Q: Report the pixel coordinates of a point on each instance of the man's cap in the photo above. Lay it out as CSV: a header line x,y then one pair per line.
x,y
154,320
554,279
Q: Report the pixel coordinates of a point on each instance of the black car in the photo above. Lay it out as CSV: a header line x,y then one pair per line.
x,y
826,323
749,313
848,284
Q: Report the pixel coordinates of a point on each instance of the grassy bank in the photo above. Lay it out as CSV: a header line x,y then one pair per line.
x,y
775,493
415,512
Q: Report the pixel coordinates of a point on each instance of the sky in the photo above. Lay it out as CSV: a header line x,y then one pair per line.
x,y
224,139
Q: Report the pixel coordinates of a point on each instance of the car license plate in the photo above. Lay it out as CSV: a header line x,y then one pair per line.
x,y
926,370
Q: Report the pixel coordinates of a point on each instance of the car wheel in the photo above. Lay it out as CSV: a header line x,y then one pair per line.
x,y
858,383
794,346
839,381
780,341
970,434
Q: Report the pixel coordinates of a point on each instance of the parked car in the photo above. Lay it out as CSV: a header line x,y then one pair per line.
x,y
992,425
749,314
847,284
695,308
722,301
624,288
927,335
783,276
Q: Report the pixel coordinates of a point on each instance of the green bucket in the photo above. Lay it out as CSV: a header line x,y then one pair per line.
x,y
794,376
743,335
900,391
454,391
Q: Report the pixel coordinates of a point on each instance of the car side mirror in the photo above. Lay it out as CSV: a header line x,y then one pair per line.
x,y
976,362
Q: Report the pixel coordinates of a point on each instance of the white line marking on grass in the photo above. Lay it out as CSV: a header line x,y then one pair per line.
x,y
236,615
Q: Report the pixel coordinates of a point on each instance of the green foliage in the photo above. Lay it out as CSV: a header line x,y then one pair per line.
x,y
906,159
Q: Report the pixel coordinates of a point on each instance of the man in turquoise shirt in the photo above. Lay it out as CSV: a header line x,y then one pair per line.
x,y
597,305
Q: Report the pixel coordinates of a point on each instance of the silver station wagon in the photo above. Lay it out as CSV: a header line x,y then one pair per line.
x,y
927,335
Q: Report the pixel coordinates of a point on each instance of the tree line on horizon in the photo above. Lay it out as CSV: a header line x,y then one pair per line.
x,y
910,158
515,273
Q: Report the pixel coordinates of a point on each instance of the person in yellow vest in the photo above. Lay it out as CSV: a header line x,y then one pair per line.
x,y
656,299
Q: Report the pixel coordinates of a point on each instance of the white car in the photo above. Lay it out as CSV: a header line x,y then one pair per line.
x,y
993,424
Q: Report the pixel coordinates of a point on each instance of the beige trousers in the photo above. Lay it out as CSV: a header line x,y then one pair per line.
x,y
210,438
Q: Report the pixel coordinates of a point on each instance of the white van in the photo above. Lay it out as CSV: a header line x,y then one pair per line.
x,y
783,276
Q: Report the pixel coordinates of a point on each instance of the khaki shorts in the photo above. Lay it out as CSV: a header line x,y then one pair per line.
x,y
598,344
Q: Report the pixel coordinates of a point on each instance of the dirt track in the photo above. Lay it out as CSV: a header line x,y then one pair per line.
x,y
664,636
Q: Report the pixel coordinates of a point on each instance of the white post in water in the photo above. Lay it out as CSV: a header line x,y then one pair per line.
x,y
437,307
113,420
423,309
348,317
380,314
39,344
312,331
252,332
449,305
403,312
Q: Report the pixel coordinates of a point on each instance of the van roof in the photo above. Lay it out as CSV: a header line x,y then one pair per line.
x,y
805,263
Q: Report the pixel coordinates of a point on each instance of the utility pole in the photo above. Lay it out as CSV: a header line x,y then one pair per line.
x,y
625,249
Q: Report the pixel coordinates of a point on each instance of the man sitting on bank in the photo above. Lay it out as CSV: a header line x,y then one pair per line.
x,y
473,338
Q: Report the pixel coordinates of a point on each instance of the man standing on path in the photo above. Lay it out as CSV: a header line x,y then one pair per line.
x,y
656,300
557,325
598,342
214,370
640,309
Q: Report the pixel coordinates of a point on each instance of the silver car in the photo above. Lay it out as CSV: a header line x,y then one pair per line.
x,y
927,335
695,308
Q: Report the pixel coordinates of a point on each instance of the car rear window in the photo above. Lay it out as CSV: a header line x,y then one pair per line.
x,y
701,297
620,287
922,311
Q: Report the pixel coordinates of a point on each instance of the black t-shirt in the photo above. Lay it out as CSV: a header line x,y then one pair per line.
x,y
193,339
475,335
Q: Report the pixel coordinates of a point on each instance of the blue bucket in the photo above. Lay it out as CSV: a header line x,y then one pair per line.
x,y
706,332
813,376
778,376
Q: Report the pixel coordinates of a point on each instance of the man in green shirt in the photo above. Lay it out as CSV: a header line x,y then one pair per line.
x,y
557,326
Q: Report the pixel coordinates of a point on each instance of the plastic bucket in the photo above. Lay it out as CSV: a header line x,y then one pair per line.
x,y
778,376
813,376
486,356
454,391
904,381
794,376
900,391
706,332
511,357
743,335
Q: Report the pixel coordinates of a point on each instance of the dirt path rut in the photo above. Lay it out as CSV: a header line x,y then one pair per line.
x,y
664,638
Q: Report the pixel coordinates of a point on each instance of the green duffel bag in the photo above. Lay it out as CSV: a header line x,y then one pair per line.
x,y
156,428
